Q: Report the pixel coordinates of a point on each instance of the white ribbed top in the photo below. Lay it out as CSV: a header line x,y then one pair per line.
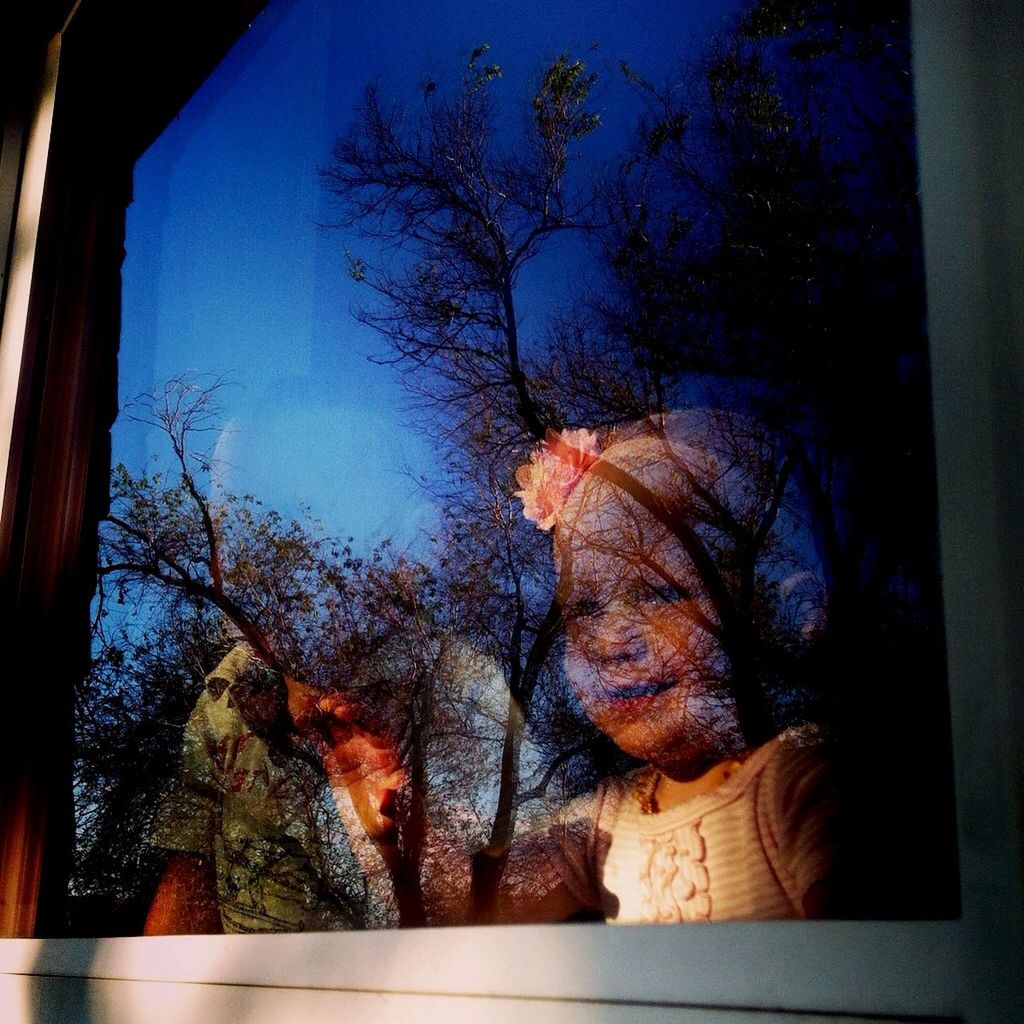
x,y
749,849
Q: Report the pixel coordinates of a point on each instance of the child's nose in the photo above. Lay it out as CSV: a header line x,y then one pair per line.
x,y
623,639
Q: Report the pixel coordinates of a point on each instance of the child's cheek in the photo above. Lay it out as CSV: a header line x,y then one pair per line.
x,y
671,627
580,671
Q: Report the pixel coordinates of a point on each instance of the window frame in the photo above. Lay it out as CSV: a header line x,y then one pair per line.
x,y
969,99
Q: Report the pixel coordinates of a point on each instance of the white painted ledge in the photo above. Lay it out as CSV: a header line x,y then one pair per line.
x,y
28,1000
871,968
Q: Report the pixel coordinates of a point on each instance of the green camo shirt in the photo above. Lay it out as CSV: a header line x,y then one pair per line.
x,y
265,817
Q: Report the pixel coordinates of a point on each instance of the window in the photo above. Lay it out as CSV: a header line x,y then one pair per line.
x,y
709,988
723,306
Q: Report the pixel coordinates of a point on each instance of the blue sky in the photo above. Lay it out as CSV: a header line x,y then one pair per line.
x,y
229,271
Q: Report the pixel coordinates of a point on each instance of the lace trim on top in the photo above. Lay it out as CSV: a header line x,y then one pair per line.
x,y
674,880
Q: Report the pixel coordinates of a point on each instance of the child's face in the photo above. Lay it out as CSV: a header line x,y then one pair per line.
x,y
641,654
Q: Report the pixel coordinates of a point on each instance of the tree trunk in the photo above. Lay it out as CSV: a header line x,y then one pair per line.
x,y
489,864
753,712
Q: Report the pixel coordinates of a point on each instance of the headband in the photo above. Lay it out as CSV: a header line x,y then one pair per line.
x,y
556,466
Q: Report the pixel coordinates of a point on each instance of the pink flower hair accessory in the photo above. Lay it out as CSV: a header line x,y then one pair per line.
x,y
556,466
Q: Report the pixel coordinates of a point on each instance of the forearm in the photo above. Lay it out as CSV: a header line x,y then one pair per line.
x,y
185,901
494,901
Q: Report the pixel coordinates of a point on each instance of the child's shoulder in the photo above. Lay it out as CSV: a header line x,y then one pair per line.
x,y
798,770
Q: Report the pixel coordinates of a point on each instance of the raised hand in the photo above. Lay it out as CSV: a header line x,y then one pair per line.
x,y
365,761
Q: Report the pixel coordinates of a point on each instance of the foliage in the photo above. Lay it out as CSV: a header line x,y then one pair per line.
x,y
129,712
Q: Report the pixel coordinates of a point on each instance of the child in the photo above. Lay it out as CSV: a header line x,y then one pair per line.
x,y
657,542
714,827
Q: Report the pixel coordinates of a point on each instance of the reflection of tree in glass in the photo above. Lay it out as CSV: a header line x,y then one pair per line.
x,y
373,629
129,710
759,253
471,213
170,528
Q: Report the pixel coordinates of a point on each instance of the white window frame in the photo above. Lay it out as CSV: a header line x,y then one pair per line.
x,y
970,98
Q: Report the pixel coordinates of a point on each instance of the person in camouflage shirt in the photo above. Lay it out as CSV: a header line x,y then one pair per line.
x,y
255,838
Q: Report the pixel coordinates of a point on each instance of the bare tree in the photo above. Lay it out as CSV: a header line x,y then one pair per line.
x,y
172,529
466,210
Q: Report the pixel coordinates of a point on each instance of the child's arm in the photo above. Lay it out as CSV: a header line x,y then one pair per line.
x,y
540,900
365,763
800,802
368,766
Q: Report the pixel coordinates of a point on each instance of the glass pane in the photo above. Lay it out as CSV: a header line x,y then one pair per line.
x,y
524,494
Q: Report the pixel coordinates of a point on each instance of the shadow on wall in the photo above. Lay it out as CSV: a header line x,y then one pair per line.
x,y
48,998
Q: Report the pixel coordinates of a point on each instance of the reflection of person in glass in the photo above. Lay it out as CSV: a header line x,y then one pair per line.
x,y
714,826
253,828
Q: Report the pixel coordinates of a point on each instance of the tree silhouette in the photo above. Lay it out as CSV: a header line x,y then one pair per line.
x,y
469,212
172,530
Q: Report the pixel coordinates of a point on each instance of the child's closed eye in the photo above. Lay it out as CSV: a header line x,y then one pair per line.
x,y
662,592
585,608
